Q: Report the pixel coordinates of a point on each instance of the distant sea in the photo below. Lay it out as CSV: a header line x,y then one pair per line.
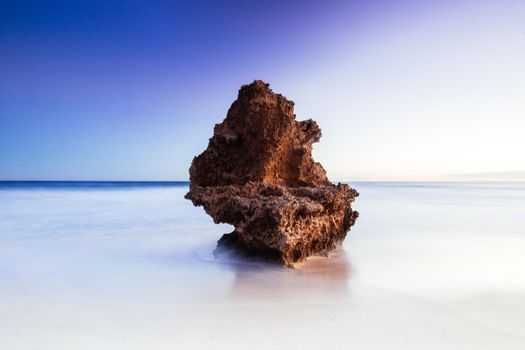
x,y
86,185
129,265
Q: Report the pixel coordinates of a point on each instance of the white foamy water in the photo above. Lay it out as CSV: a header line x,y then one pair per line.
x,y
427,266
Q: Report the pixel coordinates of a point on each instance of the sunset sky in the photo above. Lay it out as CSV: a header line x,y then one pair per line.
x,y
130,90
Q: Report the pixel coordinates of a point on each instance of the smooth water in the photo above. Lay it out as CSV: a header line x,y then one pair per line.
x,y
130,266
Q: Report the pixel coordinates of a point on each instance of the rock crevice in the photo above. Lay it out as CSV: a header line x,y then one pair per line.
x,y
258,175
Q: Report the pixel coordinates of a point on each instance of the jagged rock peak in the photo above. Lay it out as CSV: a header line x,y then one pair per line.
x,y
260,140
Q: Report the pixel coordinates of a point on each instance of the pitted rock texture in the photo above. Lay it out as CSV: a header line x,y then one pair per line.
x,y
258,175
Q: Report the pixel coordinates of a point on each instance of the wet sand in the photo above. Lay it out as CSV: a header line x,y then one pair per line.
x,y
433,266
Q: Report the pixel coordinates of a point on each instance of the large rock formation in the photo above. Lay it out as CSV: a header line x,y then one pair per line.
x,y
258,175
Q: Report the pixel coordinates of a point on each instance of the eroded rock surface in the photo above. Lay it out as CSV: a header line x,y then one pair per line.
x,y
258,175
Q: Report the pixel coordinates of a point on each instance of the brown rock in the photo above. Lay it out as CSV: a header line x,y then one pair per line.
x,y
258,175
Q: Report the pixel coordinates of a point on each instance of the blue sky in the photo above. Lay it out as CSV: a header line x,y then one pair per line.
x,y
130,90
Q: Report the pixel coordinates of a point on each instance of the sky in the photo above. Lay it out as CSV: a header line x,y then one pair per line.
x,y
130,90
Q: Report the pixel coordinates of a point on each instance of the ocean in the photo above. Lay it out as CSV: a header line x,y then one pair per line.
x,y
129,265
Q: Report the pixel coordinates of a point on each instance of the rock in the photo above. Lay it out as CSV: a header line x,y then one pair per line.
x,y
258,175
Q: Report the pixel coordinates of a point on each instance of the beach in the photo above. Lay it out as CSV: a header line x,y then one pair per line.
x,y
131,266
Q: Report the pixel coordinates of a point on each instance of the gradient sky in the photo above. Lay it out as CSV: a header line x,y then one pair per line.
x,y
130,90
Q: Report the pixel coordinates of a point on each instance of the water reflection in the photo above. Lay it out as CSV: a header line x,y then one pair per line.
x,y
327,276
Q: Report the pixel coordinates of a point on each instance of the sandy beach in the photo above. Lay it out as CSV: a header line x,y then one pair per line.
x,y
429,266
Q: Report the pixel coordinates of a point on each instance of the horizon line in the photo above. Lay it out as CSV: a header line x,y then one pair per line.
x,y
334,181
